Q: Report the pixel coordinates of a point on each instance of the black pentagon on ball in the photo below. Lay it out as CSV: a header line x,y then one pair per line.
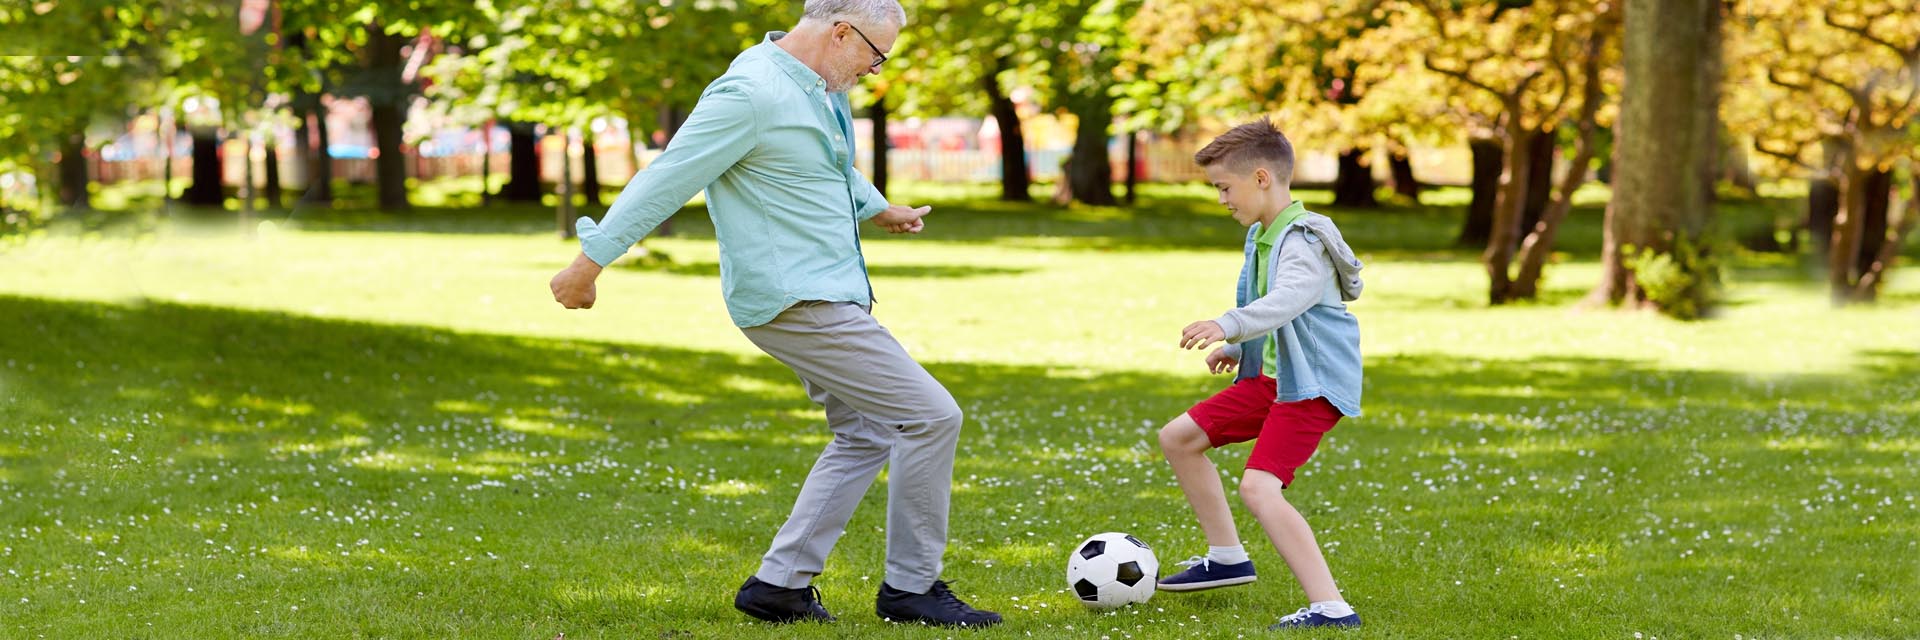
x,y
1093,549
1129,573
1086,590
1137,542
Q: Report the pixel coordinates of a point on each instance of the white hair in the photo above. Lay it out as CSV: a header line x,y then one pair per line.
x,y
866,12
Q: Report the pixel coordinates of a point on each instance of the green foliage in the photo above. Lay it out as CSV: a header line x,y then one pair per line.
x,y
1682,282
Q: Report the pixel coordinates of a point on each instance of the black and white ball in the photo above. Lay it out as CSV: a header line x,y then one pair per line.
x,y
1112,570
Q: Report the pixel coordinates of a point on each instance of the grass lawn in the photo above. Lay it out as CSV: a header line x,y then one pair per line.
x,y
355,424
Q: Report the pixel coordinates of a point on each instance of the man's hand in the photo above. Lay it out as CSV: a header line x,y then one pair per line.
x,y
573,286
902,219
1200,334
1219,362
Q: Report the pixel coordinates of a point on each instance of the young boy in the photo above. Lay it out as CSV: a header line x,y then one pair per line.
x,y
1298,353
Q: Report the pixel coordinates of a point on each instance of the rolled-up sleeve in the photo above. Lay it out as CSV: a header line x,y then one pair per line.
x,y
867,199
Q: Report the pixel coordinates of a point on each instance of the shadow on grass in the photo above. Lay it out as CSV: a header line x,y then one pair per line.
x,y
531,484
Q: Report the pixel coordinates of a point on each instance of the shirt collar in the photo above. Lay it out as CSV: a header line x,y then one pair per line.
x,y
1287,217
802,75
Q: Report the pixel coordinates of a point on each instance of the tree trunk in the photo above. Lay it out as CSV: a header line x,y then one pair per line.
x,y
1734,167
1400,167
205,190
1823,206
390,169
877,112
1848,227
1614,279
523,164
671,117
1663,195
1539,239
303,143
1133,166
73,172
246,193
1016,180
669,120
1869,286
273,189
1511,207
1860,233
1090,175
1489,160
320,163
563,190
166,165
1539,178
589,170
1353,186
1873,226
387,102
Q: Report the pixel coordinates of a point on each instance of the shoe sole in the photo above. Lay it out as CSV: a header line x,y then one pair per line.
x,y
1203,586
1338,625
780,618
936,623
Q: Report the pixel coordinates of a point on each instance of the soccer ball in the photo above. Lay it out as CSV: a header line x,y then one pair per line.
x,y
1112,570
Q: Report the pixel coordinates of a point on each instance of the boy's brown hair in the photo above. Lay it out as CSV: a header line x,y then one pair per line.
x,y
1249,145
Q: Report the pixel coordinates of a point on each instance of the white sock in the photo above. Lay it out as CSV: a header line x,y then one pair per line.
x,y
1235,554
1332,608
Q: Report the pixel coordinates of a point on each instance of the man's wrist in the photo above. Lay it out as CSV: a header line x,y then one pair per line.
x,y
587,264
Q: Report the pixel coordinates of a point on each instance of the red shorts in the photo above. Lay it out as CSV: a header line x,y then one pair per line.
x,y
1287,433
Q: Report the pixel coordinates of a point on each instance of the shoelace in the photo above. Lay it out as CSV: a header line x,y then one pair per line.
x,y
813,596
1203,562
944,594
1297,616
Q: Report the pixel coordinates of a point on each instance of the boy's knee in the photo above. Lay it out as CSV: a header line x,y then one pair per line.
x,y
1183,436
1258,487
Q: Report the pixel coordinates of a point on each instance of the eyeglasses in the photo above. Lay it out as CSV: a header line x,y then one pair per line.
x,y
879,57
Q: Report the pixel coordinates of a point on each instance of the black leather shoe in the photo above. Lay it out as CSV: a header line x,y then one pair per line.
x,y
780,604
937,607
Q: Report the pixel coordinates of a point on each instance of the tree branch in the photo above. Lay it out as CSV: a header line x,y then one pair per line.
x,y
1789,155
1864,29
1464,77
1773,75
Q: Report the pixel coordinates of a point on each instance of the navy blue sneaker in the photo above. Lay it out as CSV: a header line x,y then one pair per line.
x,y
1203,574
779,604
1312,617
937,607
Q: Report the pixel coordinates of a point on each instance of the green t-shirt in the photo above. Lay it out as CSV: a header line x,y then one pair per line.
x,y
1263,253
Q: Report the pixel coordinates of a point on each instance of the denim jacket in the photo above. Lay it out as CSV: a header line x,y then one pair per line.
x,y
1319,341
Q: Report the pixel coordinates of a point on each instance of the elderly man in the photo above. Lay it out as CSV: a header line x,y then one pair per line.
x,y
771,142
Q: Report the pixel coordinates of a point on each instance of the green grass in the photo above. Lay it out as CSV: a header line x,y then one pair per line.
x,y
354,424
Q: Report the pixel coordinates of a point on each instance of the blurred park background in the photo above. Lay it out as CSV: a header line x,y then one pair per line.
x,y
280,360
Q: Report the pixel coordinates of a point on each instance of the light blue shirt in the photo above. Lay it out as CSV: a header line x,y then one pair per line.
x,y
774,152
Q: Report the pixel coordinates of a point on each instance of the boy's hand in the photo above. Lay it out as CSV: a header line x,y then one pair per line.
x,y
1219,362
1200,334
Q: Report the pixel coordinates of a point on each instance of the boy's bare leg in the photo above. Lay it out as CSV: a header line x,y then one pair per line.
x,y
1185,446
1290,534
